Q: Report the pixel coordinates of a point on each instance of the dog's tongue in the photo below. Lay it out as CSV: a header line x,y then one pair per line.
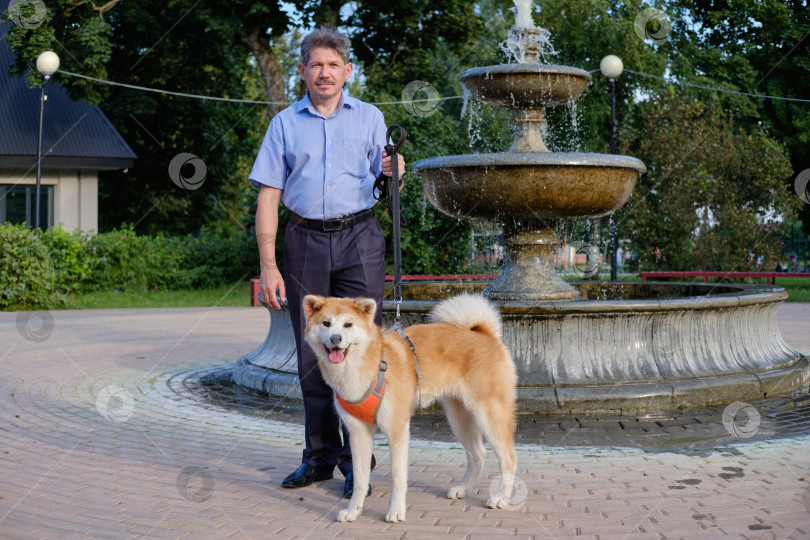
x,y
336,356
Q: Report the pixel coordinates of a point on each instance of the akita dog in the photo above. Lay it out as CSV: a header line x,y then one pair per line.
x,y
462,363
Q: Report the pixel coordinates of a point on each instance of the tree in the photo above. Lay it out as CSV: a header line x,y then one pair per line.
x,y
584,32
183,47
421,41
713,194
753,46
193,48
246,49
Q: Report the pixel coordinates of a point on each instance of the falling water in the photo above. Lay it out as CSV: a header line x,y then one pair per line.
x,y
473,111
424,206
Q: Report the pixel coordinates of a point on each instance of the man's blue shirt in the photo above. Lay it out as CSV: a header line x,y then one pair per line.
x,y
326,167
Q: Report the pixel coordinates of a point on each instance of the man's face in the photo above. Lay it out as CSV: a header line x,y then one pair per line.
x,y
325,73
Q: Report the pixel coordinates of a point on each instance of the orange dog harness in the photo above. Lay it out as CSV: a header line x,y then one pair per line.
x,y
366,408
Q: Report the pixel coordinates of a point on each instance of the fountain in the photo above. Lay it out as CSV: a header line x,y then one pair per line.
x,y
626,349
528,190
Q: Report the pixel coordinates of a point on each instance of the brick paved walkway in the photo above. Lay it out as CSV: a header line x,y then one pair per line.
x,y
100,438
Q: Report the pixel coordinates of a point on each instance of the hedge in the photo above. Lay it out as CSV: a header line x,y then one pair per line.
x,y
36,272
28,279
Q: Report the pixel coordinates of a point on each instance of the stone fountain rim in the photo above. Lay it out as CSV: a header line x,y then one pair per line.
x,y
531,159
749,295
528,69
738,367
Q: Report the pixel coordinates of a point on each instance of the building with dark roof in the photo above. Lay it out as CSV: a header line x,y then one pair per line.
x,y
78,141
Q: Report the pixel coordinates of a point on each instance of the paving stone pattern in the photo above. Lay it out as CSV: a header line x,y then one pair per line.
x,y
103,438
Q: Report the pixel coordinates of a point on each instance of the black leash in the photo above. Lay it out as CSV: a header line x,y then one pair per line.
x,y
396,211
387,187
384,188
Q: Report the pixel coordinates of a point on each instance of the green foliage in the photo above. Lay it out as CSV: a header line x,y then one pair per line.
x,y
222,256
121,257
27,277
712,194
725,155
753,46
583,32
431,42
136,42
36,273
432,243
211,258
69,258
396,43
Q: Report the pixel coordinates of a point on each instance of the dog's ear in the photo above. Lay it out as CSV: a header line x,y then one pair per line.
x,y
312,304
367,306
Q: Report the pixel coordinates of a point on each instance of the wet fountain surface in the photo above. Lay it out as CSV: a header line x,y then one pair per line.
x,y
693,431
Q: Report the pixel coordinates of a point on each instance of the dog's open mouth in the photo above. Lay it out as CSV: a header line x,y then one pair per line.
x,y
336,356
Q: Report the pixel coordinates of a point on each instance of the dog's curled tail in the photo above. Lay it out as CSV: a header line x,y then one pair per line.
x,y
471,311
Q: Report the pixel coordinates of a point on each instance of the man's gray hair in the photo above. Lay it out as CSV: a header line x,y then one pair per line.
x,y
325,37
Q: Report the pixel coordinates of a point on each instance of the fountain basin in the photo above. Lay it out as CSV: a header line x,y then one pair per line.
x,y
528,185
626,349
526,86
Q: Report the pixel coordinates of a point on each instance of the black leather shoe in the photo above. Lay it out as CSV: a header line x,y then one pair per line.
x,y
348,488
306,474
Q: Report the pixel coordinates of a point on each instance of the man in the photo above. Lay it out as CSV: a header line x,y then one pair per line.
x,y
321,157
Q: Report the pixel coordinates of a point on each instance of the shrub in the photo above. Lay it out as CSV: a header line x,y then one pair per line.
x,y
121,258
113,258
27,277
68,256
33,269
223,256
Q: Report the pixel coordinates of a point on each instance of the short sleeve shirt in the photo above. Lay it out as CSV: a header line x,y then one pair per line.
x,y
326,167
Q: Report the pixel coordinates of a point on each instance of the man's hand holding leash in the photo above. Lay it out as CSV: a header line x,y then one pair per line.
x,y
387,166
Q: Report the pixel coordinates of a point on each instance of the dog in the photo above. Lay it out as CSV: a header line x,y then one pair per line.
x,y
462,363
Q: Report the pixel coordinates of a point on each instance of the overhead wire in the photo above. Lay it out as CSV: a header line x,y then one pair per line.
x,y
234,100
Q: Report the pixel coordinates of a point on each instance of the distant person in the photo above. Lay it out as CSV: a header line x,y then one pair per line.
x,y
619,260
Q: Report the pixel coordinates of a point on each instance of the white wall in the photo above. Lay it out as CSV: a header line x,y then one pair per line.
x,y
75,195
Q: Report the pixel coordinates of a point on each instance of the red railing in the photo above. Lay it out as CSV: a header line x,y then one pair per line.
x,y
254,284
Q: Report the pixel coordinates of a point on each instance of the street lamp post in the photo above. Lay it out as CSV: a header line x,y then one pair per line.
x,y
611,67
47,64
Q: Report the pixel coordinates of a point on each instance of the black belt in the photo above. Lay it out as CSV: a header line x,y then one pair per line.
x,y
333,225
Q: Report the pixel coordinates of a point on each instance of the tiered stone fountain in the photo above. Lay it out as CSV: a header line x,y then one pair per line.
x,y
629,349
528,190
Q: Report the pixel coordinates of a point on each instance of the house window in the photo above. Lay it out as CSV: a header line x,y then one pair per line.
x,y
17,205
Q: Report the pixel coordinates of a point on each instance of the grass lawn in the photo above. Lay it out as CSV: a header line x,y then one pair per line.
x,y
238,294
235,294
798,288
